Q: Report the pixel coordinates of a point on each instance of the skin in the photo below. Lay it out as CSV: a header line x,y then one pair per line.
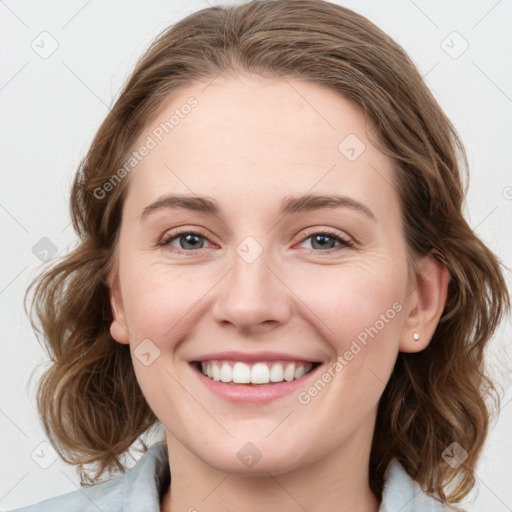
x,y
249,143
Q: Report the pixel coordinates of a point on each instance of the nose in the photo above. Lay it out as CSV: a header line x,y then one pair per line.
x,y
252,297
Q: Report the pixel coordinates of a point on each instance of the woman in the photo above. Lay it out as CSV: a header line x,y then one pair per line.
x,y
275,267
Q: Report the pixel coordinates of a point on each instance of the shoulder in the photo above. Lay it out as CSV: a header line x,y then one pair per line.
x,y
402,493
103,496
138,489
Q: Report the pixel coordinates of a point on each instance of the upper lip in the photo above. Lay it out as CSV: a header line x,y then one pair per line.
x,y
233,355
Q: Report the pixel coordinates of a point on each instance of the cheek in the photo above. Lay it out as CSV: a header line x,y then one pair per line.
x,y
360,314
359,300
157,300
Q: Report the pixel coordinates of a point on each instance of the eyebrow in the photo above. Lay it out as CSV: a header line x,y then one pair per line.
x,y
289,205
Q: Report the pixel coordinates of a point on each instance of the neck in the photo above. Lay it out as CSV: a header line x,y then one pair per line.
x,y
336,482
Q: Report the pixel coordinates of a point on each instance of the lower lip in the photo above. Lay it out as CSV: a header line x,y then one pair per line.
x,y
243,393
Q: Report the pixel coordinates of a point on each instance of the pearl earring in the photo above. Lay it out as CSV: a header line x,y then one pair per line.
x,y
416,336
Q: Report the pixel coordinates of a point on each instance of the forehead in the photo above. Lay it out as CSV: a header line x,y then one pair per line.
x,y
250,136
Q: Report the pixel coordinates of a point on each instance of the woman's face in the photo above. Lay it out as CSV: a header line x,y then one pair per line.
x,y
271,275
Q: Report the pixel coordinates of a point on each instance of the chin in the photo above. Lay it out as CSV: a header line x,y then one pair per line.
x,y
253,460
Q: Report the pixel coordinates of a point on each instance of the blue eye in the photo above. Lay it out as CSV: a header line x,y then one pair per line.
x,y
326,241
190,241
187,240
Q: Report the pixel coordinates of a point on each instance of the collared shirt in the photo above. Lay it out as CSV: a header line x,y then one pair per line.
x,y
140,489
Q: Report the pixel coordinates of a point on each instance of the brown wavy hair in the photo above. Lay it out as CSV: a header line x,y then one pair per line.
x,y
89,400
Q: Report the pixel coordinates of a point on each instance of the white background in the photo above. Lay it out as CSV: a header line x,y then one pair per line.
x,y
50,109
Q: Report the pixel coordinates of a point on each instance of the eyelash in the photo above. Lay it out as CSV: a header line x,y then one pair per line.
x,y
345,244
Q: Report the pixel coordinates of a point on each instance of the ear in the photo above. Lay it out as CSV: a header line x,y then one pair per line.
x,y
425,302
118,327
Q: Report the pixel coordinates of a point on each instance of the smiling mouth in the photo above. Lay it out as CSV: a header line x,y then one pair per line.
x,y
254,374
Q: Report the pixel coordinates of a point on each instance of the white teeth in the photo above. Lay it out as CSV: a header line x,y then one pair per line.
x,y
260,374
214,371
226,373
299,372
289,372
276,373
241,373
257,373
